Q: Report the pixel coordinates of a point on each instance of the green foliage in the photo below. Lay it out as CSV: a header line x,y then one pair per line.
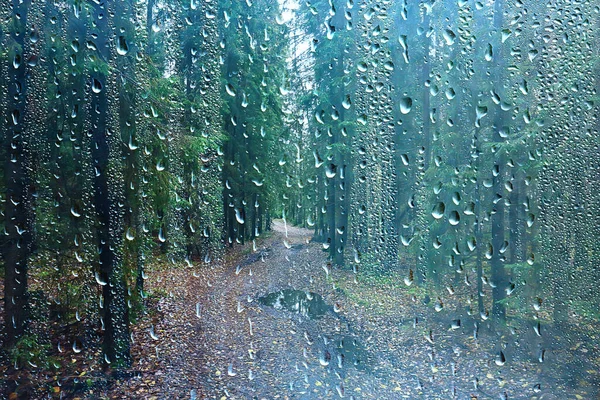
x,y
32,352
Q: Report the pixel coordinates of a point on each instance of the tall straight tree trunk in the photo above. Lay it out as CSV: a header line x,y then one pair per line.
x,y
141,209
497,264
18,240
260,218
499,277
115,313
319,235
331,211
267,220
515,222
561,285
479,237
253,228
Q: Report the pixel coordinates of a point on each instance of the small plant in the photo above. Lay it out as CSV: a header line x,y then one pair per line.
x,y
30,351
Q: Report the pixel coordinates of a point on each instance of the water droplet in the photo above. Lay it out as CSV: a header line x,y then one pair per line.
x,y
230,371
230,90
129,235
405,105
480,112
489,53
15,117
238,216
523,87
471,243
454,218
449,37
99,280
406,240
132,145
438,210
500,358
330,171
153,334
75,213
34,36
439,305
489,252
410,278
96,86
347,103
530,220
324,358
404,158
530,259
470,209
330,31
456,198
77,346
161,235
122,47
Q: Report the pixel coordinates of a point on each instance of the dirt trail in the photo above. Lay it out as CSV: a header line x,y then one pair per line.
x,y
215,339
242,349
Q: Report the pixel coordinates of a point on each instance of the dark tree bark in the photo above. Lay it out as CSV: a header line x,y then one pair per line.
x,y
115,313
18,217
254,217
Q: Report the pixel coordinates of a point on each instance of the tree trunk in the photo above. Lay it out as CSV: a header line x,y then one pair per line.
x,y
18,217
115,313
499,277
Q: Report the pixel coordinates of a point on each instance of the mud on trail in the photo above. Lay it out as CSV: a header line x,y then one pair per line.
x,y
276,321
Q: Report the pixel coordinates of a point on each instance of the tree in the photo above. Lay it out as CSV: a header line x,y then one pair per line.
x,y
17,181
108,194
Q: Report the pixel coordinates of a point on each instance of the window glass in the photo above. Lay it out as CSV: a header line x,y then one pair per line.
x,y
258,199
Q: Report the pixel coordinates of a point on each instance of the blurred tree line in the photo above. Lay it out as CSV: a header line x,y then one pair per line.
x,y
456,154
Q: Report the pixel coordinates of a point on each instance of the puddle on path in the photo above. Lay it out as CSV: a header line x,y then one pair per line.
x,y
308,304
347,351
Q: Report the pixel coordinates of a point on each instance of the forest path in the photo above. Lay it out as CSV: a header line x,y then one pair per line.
x,y
214,338
223,342
252,350
237,347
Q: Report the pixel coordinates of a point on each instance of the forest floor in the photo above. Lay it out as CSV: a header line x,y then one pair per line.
x,y
214,338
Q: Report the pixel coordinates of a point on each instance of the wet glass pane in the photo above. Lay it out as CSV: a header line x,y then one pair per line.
x,y
261,199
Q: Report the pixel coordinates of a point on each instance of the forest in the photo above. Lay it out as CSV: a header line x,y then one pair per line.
x,y
303,199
